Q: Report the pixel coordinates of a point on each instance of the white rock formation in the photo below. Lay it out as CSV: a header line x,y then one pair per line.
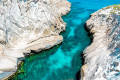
x,y
27,25
102,57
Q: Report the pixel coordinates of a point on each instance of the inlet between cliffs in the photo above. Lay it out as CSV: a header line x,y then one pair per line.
x,y
63,62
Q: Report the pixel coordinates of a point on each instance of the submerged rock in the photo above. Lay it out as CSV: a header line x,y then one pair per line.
x,y
27,25
102,57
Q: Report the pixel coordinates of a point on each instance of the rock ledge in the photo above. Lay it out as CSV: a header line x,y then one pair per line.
x,y
27,25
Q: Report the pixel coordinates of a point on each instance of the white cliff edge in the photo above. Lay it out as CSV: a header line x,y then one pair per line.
x,y
27,25
102,57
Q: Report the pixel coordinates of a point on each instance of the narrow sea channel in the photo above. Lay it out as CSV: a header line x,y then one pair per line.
x,y
64,61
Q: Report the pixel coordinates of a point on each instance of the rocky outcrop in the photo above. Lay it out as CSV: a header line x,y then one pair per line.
x,y
27,25
102,57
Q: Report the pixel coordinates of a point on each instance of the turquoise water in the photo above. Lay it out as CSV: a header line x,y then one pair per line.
x,y
63,62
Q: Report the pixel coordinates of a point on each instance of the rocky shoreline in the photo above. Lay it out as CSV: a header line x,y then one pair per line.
x,y
21,62
24,27
102,56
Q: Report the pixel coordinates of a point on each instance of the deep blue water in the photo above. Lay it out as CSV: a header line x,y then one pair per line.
x,y
65,61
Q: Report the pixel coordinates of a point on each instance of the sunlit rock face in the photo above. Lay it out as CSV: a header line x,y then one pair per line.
x,y
27,25
102,57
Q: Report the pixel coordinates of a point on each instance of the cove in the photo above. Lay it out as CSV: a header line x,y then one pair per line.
x,y
64,61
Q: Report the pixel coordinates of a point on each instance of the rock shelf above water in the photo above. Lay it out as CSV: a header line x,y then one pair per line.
x,y
28,25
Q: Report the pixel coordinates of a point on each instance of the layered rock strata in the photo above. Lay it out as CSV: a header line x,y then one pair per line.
x,y
102,57
27,25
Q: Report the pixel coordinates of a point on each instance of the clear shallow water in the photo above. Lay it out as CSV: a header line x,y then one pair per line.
x,y
64,62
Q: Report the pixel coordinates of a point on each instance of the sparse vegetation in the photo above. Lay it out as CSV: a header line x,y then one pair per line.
x,y
107,7
116,7
112,12
108,18
119,13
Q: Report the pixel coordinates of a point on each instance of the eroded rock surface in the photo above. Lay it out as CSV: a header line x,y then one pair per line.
x,y
102,57
27,25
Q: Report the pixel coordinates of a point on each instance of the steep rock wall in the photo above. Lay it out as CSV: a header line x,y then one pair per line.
x,y
102,57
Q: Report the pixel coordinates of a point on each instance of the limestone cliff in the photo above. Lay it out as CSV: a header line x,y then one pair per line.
x,y
102,57
27,25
